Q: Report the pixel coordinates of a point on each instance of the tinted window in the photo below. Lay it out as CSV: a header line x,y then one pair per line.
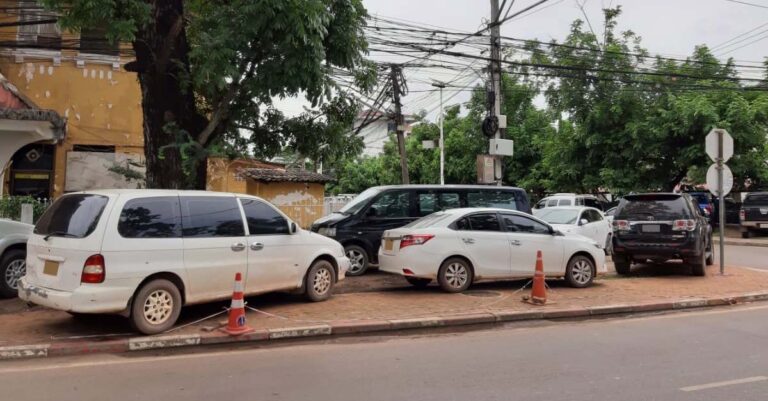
x,y
391,204
657,207
463,224
157,217
211,216
595,215
492,198
589,202
484,222
756,200
564,202
552,203
72,216
427,204
514,223
449,200
542,204
355,205
263,219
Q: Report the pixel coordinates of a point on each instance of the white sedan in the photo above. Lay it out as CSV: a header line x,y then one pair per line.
x,y
579,220
459,246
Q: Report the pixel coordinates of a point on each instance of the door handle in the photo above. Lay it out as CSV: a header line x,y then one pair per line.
x,y
238,246
514,242
468,241
257,246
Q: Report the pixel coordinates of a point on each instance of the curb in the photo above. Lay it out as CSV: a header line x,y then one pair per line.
x,y
742,242
359,327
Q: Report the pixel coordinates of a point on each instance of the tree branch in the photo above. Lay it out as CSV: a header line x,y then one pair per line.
x,y
223,107
168,44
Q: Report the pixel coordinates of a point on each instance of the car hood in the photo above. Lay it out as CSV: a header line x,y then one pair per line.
x,y
8,227
330,219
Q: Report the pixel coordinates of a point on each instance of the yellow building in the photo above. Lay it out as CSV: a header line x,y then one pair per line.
x,y
84,85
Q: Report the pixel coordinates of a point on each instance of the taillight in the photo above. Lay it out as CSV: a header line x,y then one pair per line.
x,y
684,225
742,215
93,270
417,239
621,225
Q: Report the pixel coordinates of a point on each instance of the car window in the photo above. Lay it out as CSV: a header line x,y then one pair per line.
x,y
391,205
492,198
589,202
579,201
359,202
542,204
449,200
438,219
552,203
564,202
155,217
72,216
596,216
484,222
657,207
521,224
427,204
463,224
756,200
211,216
262,218
559,216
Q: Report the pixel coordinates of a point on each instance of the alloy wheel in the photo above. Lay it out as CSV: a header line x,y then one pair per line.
x,y
322,281
158,307
456,275
581,271
14,272
356,261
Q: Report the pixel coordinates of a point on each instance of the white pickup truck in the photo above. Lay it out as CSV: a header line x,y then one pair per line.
x,y
13,255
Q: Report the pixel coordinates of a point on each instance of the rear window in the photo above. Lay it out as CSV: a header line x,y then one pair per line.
x,y
756,200
74,216
438,219
653,207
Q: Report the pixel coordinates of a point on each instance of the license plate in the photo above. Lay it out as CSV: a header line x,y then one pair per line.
x,y
388,245
51,268
763,225
763,211
651,228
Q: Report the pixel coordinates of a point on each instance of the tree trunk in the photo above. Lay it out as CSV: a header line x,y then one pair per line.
x,y
161,58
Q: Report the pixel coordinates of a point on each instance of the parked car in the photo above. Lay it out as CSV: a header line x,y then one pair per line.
x,y
460,246
659,227
359,225
575,220
145,253
568,200
704,202
753,216
610,213
13,255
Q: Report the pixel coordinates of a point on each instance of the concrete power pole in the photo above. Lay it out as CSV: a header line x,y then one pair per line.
x,y
495,69
399,122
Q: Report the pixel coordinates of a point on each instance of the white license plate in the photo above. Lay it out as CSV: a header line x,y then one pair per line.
x,y
764,225
388,245
651,228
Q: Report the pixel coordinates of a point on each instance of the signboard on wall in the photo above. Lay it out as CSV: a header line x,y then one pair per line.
x,y
103,170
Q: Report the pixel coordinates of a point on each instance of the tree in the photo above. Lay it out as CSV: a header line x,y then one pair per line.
x,y
208,71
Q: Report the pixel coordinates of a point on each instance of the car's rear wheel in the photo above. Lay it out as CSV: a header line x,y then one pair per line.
x,y
455,275
320,280
622,266
418,282
13,266
699,265
156,307
580,272
746,234
358,260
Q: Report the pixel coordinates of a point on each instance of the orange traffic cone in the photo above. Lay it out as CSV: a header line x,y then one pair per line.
x,y
539,290
236,324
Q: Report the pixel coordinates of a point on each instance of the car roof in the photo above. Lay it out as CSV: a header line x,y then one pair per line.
x,y
468,210
435,186
570,208
157,192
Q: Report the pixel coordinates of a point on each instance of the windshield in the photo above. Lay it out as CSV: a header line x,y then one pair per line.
x,y
657,207
72,216
756,200
360,201
559,216
439,219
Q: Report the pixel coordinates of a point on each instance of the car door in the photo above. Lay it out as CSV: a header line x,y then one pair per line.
x,y
389,210
526,236
486,244
214,244
275,257
589,224
602,227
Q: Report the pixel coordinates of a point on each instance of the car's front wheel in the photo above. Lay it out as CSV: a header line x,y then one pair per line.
x,y
320,280
156,307
580,271
13,266
358,260
455,275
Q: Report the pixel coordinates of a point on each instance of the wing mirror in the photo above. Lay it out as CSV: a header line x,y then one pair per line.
x,y
583,222
292,229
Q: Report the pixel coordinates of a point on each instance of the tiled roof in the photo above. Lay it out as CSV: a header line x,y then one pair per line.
x,y
281,175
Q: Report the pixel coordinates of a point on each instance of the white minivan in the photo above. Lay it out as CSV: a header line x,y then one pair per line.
x,y
145,253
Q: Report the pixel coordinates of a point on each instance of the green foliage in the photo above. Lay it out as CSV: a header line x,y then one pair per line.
x,y
10,206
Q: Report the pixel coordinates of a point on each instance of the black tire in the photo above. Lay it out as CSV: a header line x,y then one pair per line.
x,y
12,269
710,254
580,272
359,260
622,265
319,281
155,307
418,282
699,265
455,275
746,234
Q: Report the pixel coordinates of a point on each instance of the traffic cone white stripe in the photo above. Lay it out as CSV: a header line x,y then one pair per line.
x,y
238,286
238,303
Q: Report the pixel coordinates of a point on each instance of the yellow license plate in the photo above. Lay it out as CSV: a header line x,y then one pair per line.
x,y
51,268
388,245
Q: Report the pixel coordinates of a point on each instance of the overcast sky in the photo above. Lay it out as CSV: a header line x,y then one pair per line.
x,y
668,27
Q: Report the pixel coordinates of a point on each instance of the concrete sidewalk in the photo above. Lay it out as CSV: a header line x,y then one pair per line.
x,y
42,332
763,242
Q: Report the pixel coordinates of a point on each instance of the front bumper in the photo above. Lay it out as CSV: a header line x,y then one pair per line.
x,y
84,299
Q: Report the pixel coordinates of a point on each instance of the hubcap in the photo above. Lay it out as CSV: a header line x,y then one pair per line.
x,y
356,261
15,271
582,271
158,307
456,275
322,281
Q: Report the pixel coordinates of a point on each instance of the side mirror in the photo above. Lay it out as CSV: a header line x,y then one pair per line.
x,y
292,228
583,222
371,212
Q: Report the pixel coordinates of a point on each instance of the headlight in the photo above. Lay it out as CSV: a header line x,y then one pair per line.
x,y
327,231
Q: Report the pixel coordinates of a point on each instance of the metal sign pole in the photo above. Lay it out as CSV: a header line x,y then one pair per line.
x,y
722,199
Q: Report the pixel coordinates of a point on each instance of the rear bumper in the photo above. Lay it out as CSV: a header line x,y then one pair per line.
x,y
84,299
683,250
762,225
419,266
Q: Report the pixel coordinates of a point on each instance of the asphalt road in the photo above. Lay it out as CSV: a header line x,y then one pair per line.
x,y
705,355
744,256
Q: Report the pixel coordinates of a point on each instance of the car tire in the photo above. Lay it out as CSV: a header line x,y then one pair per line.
x,y
746,234
623,266
358,260
13,266
699,265
418,282
580,272
455,275
710,254
319,281
156,307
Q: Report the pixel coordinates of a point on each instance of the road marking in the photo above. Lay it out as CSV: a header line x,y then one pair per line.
x,y
725,383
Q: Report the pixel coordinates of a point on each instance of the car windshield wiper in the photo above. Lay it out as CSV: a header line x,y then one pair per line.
x,y
59,234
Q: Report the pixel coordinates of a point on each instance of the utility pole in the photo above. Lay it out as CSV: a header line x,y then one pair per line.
x,y
441,85
495,69
395,73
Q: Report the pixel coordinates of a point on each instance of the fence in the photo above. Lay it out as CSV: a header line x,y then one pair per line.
x,y
11,207
333,204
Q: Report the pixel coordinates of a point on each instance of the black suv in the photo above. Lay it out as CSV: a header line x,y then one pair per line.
x,y
659,227
753,216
